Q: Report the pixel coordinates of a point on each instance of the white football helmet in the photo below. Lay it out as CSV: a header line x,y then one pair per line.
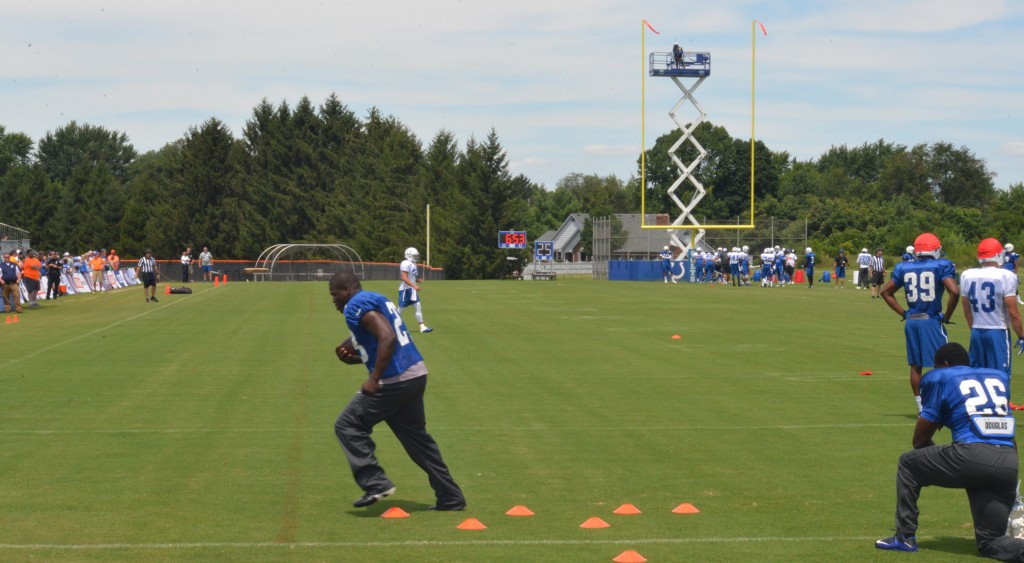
x,y
412,254
1008,247
746,248
910,250
807,250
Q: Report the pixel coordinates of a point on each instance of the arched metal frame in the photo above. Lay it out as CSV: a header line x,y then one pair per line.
x,y
269,257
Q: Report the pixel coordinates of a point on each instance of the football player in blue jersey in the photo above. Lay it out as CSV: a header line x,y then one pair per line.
x,y
666,265
809,266
908,255
982,459
924,280
1010,258
393,393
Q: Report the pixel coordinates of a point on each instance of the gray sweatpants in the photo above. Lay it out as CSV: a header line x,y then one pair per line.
x,y
400,405
987,472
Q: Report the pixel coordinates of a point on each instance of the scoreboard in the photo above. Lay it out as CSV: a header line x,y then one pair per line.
x,y
543,250
511,239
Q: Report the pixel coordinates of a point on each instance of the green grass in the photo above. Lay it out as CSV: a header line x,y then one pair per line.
x,y
201,428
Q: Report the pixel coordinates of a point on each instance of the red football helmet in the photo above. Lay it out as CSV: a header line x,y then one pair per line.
x,y
927,244
990,250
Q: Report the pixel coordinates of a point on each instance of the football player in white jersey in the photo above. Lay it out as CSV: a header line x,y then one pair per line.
x,y
409,290
989,296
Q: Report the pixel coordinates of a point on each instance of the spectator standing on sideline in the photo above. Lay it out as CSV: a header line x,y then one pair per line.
x,y
53,272
113,260
409,289
864,263
393,393
186,264
809,266
96,265
32,273
923,280
989,295
982,458
206,263
876,270
10,275
149,273
840,263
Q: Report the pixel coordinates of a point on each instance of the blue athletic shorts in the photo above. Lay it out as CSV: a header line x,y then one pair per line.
x,y
841,272
990,348
924,337
407,297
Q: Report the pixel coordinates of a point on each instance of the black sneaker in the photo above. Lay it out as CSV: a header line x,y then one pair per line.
x,y
147,300
154,299
371,498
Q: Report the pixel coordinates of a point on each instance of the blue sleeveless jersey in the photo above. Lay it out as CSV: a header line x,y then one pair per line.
x,y
922,281
406,354
972,402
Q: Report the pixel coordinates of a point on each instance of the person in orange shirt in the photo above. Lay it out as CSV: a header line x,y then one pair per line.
x,y
96,265
31,271
114,260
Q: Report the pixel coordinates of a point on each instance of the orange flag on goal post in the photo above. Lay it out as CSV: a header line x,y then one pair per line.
x,y
648,24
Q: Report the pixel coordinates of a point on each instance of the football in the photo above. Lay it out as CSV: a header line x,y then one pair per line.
x,y
347,352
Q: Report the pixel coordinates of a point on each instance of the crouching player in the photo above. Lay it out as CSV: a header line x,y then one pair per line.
x,y
974,404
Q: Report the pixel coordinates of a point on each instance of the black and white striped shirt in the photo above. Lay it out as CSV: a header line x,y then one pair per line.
x,y
147,265
877,264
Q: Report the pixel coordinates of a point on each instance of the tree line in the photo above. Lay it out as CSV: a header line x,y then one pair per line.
x,y
322,174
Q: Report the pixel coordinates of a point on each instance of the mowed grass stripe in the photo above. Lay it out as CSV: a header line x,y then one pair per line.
x,y
208,423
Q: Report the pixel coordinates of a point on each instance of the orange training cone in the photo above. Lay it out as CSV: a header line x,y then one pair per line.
x,y
8,320
629,556
595,522
676,337
519,510
685,508
471,524
15,319
216,281
626,509
225,280
167,290
394,512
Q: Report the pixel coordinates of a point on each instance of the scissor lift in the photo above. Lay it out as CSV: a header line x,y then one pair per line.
x,y
675,66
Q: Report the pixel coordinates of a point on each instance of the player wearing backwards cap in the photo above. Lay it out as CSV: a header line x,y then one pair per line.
x,y
989,295
923,280
973,403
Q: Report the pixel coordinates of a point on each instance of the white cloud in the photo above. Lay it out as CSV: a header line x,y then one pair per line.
x,y
1014,149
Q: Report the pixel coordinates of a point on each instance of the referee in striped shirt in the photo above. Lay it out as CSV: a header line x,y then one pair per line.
x,y
876,270
149,272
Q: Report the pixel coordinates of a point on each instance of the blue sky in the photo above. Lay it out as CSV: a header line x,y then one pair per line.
x,y
560,82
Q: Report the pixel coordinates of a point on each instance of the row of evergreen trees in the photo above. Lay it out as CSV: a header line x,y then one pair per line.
x,y
322,174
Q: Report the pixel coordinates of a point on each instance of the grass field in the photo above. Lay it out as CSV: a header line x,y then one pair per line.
x,y
201,428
